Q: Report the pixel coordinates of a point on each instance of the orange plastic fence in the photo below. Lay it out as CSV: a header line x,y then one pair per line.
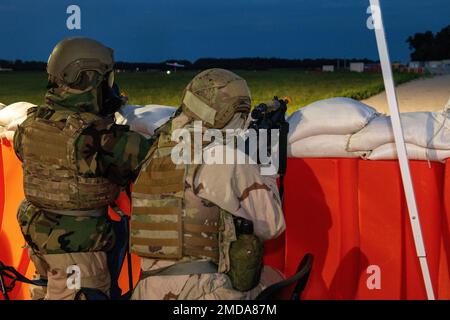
x,y
12,250
350,213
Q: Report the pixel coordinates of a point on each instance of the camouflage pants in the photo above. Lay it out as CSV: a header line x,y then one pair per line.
x,y
92,272
213,286
57,242
50,233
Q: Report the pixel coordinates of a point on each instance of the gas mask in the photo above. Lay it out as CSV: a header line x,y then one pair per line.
x,y
109,97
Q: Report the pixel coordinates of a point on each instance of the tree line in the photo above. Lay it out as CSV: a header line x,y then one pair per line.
x,y
206,63
427,46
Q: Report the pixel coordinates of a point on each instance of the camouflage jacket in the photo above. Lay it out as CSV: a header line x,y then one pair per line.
x,y
114,153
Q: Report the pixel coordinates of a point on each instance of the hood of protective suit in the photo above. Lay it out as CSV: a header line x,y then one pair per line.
x,y
85,98
92,94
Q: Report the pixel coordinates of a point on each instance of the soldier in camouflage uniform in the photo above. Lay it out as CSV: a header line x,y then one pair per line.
x,y
75,162
184,216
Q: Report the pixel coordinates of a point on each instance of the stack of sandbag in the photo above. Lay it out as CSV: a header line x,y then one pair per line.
x,y
11,116
144,119
323,128
427,137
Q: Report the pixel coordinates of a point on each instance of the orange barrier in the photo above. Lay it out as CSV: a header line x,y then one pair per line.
x,y
12,250
350,213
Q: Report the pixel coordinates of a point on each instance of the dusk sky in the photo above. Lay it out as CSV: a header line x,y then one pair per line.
x,y
156,30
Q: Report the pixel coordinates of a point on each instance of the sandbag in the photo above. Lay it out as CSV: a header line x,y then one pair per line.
x,y
8,131
322,146
388,151
15,123
424,129
6,134
144,119
13,112
335,116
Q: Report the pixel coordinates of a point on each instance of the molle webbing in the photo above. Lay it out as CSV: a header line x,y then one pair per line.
x,y
157,221
168,220
51,178
182,268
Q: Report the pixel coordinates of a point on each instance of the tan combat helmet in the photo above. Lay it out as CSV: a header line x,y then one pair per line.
x,y
73,56
214,96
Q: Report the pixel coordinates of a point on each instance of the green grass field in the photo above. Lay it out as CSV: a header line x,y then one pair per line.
x,y
159,88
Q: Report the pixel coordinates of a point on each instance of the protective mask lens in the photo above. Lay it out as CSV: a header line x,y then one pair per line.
x,y
111,78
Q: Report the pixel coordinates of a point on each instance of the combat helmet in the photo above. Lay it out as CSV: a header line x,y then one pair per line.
x,y
72,56
81,74
214,96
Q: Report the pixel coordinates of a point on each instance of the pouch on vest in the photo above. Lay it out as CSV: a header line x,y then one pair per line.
x,y
52,179
246,257
169,221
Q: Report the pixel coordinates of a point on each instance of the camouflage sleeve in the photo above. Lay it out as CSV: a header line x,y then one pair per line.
x,y
259,201
113,152
241,190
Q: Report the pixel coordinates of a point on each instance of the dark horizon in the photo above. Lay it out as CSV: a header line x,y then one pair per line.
x,y
248,63
217,58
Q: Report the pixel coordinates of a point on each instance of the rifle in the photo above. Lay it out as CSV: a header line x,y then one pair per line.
x,y
272,115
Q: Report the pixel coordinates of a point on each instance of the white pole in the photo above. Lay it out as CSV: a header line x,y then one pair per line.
x,y
400,144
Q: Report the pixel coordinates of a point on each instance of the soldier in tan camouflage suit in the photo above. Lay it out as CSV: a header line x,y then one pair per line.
x,y
75,162
184,215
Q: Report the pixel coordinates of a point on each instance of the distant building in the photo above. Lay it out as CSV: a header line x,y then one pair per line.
x,y
357,66
328,68
400,67
415,64
438,67
372,67
433,64
416,67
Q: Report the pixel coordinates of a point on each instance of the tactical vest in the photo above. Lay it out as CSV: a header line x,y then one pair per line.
x,y
51,176
168,220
